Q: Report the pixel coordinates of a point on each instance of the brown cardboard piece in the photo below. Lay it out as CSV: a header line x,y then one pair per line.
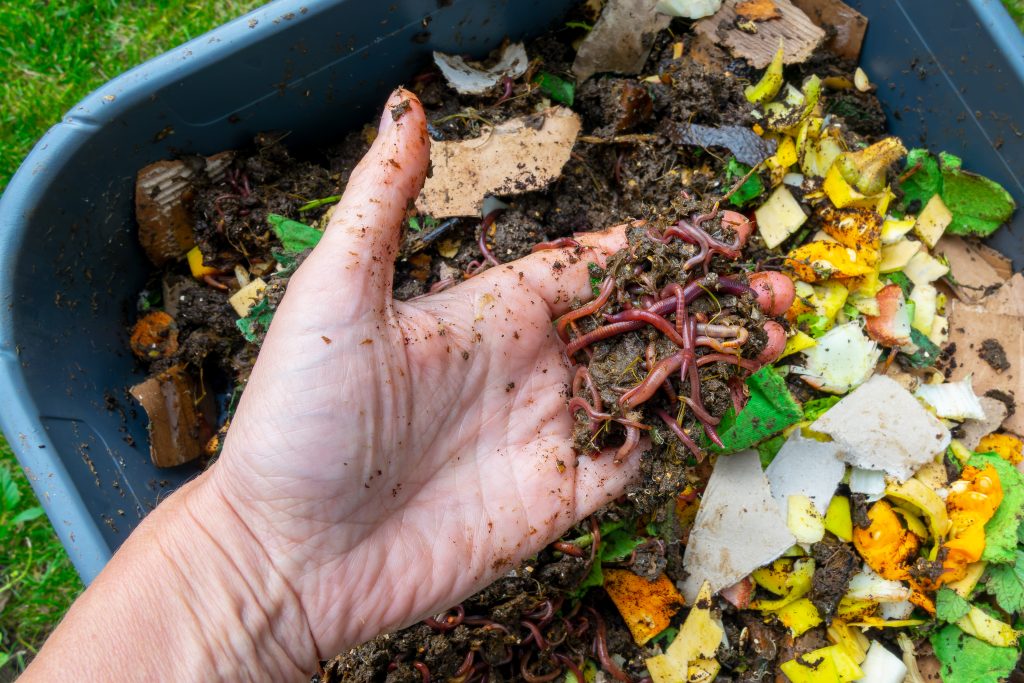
x,y
165,222
971,272
620,40
798,34
999,316
178,428
849,24
520,155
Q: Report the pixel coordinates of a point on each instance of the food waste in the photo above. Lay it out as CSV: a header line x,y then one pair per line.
x,y
819,356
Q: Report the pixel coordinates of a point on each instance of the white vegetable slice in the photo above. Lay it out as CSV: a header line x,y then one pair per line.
x,y
923,268
867,585
933,221
803,519
688,9
896,256
939,334
842,359
244,299
896,611
882,666
471,80
871,483
894,229
779,217
952,400
925,299
882,426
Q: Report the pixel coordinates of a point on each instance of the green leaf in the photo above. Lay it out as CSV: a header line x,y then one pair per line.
x,y
751,189
579,24
287,259
767,450
965,659
814,324
619,545
979,205
9,493
593,579
254,326
295,236
1001,530
770,410
925,181
949,606
414,224
317,203
27,515
899,278
666,637
817,407
557,88
1006,584
927,352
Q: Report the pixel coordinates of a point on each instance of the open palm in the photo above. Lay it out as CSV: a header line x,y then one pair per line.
x,y
394,457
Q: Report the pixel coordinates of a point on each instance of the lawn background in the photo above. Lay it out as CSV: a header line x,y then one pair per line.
x,y
51,55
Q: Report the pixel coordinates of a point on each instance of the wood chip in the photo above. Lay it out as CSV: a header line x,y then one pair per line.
x,y
758,10
620,40
177,427
520,155
999,317
165,222
845,24
797,32
973,274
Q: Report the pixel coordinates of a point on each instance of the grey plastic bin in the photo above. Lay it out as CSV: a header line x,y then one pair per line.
x,y
70,266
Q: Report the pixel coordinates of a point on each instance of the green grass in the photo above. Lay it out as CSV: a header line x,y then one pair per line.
x,y
1016,10
51,55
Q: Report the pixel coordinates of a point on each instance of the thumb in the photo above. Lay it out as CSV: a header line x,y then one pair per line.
x,y
362,239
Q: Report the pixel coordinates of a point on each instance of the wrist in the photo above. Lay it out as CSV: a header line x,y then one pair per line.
x,y
235,604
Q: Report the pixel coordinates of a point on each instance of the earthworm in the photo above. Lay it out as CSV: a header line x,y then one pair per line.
x,y
680,434
589,308
601,650
448,621
424,671
631,442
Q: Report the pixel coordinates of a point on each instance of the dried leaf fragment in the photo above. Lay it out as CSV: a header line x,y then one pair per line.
x,y
470,79
520,155
620,40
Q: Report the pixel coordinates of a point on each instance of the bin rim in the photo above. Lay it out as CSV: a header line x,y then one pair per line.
x,y
20,419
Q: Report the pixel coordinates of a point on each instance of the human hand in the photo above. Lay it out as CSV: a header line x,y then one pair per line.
x,y
393,457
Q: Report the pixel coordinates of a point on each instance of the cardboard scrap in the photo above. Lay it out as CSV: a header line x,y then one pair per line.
x,y
798,34
881,426
165,222
806,467
845,25
469,79
178,427
739,526
972,274
998,317
520,155
620,40
972,431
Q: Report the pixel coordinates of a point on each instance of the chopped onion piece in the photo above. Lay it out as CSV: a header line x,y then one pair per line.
x,y
869,482
952,400
867,585
882,666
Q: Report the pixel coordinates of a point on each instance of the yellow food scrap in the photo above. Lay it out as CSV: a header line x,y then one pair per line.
x,y
196,265
829,664
919,495
994,632
785,156
867,168
690,656
850,639
795,576
859,229
647,607
821,260
844,195
1007,447
971,502
797,343
838,518
799,616
885,545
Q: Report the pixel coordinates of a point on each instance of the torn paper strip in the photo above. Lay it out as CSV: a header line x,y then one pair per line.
x,y
739,526
520,155
806,467
881,426
620,40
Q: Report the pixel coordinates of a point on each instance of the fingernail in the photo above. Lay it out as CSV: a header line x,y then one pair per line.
x,y
387,119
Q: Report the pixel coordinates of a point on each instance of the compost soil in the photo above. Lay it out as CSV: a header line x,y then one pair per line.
x,y
605,182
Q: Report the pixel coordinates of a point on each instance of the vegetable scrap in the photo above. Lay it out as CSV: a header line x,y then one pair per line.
x,y
822,356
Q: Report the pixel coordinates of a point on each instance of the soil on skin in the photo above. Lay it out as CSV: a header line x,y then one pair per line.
x,y
605,182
